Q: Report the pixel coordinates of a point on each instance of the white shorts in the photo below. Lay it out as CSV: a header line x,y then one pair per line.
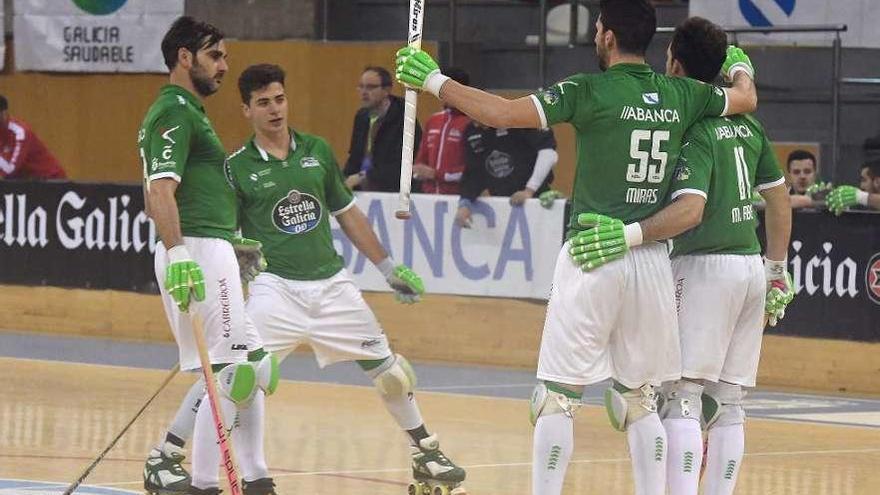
x,y
330,315
229,333
720,301
617,321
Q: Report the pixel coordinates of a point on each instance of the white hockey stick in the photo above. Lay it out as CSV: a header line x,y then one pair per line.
x,y
416,18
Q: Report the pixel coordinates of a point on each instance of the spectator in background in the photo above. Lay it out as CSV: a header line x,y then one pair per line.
x,y
867,194
800,171
22,154
440,162
376,139
508,162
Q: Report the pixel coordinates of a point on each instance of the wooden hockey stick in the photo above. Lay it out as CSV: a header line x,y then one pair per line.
x,y
227,457
414,39
73,486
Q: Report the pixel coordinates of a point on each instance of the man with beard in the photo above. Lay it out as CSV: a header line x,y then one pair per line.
x,y
611,312
866,195
195,212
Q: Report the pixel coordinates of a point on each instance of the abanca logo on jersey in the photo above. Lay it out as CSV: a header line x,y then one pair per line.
x,y
297,213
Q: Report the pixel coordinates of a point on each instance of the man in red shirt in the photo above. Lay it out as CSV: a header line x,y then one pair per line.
x,y
22,154
440,161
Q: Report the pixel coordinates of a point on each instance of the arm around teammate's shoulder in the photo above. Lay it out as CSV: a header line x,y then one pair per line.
x,y
742,97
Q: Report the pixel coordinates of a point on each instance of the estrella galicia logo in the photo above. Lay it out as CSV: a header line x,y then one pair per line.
x,y
756,16
872,278
297,213
100,7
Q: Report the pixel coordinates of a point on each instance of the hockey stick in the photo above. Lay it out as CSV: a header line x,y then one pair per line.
x,y
414,39
73,486
224,440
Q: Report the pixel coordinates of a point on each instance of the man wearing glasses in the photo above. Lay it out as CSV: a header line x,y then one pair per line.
x,y
377,136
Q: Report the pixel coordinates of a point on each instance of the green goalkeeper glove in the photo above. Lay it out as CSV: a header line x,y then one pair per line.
x,y
780,291
417,70
843,197
407,285
250,258
183,277
818,188
548,197
736,61
606,239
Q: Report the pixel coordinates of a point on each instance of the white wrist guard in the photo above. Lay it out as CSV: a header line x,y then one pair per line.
x,y
386,267
632,234
862,197
731,73
434,82
775,270
178,253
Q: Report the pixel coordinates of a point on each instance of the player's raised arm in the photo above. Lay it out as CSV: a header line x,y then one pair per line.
x,y
417,69
742,97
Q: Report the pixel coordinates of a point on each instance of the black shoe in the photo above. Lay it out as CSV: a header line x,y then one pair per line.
x,y
260,486
207,491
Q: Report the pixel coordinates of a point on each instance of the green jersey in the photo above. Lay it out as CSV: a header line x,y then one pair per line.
x,y
722,160
286,204
177,140
629,123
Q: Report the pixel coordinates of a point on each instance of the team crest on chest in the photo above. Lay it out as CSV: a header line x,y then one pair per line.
x,y
309,162
297,213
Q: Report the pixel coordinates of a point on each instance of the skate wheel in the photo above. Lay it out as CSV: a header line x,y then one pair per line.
x,y
413,489
440,490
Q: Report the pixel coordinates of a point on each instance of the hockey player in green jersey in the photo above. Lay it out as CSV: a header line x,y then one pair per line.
x,y
195,212
723,290
616,320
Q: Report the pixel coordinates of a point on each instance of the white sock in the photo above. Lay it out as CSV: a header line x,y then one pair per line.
x,y
647,450
551,451
685,440
206,448
404,410
248,439
723,459
185,419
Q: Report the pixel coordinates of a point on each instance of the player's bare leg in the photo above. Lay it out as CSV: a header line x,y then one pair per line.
x,y
434,473
553,406
724,416
681,412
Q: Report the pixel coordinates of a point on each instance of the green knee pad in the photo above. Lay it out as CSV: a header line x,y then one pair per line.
x,y
237,382
267,371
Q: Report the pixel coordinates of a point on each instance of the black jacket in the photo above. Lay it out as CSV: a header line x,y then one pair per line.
x,y
502,160
385,172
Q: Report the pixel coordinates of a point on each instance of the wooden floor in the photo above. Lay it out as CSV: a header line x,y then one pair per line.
x,y
332,439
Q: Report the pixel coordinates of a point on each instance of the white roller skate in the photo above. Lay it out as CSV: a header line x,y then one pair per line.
x,y
433,472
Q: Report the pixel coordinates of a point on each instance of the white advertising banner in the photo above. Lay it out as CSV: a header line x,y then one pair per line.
x,y
92,35
509,252
861,17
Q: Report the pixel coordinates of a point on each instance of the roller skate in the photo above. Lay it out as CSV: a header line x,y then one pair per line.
x,y
163,472
260,486
433,472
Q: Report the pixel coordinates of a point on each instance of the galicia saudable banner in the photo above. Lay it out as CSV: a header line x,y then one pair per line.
x,y
92,35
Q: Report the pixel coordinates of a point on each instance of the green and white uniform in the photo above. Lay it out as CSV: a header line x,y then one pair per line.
x,y
719,277
305,295
177,141
619,321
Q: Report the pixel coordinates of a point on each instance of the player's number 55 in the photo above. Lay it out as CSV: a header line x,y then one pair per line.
x,y
644,169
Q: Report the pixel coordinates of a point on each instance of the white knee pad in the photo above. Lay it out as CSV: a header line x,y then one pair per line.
x,y
545,402
396,380
722,404
237,382
625,408
267,373
681,399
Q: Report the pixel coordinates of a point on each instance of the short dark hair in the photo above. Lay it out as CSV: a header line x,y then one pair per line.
x,y
633,22
4,105
258,77
799,155
384,75
188,33
458,75
700,46
873,167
